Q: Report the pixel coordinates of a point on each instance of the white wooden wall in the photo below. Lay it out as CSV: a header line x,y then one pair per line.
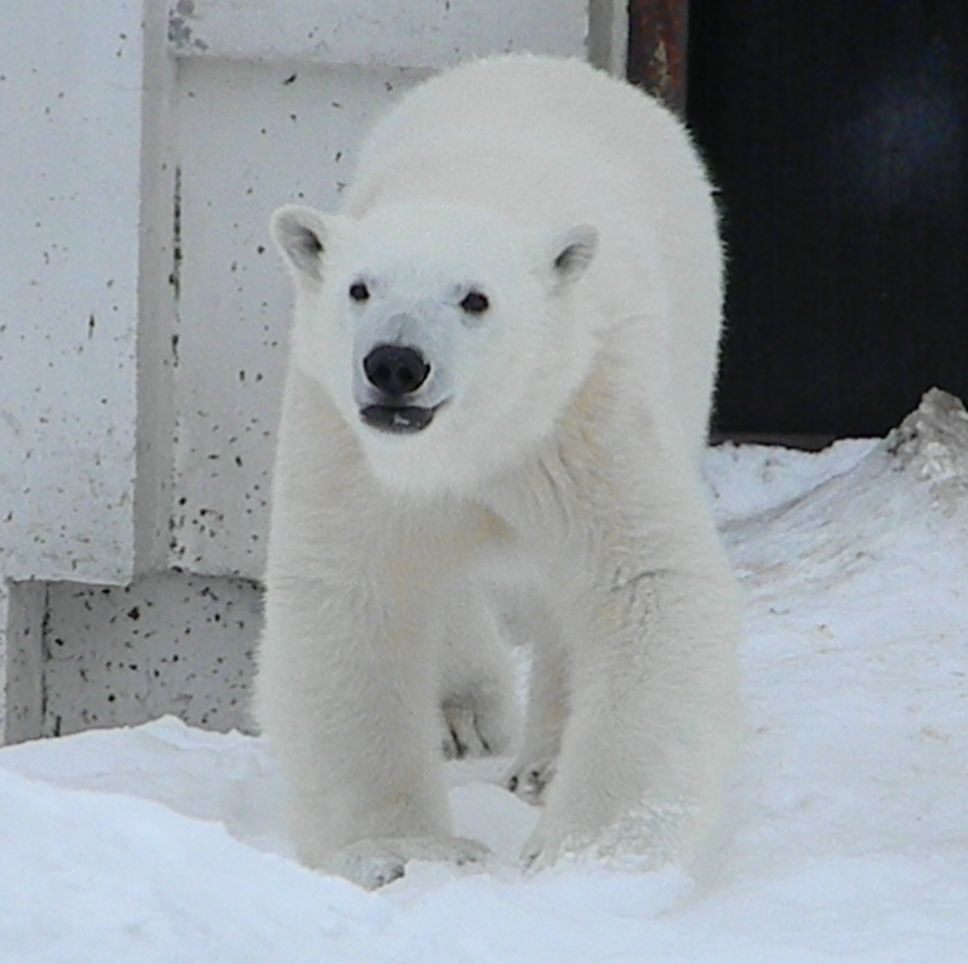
x,y
143,315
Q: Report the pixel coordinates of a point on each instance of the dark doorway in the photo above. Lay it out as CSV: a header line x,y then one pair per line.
x,y
836,131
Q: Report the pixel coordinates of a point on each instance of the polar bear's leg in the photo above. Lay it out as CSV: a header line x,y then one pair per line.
x,y
548,701
654,715
347,688
347,699
477,698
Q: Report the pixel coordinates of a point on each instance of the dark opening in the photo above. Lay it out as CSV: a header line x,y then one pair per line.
x,y
836,131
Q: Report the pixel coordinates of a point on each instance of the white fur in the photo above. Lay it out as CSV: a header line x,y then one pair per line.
x,y
566,455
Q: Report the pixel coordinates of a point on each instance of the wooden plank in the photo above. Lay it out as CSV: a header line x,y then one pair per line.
x,y
658,40
373,33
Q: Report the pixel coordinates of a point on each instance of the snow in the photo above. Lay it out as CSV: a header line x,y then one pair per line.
x,y
845,836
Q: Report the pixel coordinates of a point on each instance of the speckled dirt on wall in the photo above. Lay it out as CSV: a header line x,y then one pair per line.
x,y
229,349
143,317
171,643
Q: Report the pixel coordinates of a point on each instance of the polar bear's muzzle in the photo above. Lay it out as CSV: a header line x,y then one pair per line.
x,y
399,419
394,374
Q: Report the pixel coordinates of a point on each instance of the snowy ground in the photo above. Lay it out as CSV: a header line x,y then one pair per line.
x,y
847,834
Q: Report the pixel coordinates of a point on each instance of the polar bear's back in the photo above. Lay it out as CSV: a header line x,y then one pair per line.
x,y
496,130
554,143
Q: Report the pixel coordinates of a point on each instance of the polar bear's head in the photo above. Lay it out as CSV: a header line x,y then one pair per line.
x,y
448,337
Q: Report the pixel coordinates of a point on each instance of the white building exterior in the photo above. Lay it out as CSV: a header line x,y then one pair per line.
x,y
143,315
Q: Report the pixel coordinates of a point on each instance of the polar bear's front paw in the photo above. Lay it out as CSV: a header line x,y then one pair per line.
x,y
648,834
470,730
377,861
529,779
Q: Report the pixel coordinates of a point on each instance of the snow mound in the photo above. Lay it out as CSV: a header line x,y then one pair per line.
x,y
934,439
845,832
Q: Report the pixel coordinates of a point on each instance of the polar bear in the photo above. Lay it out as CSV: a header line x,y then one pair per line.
x,y
501,372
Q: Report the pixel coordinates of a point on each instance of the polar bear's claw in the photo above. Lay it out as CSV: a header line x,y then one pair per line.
x,y
530,781
467,732
376,862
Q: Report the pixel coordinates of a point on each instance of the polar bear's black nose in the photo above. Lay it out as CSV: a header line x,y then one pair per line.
x,y
395,371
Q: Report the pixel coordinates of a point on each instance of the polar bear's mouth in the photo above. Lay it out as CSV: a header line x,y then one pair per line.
x,y
398,419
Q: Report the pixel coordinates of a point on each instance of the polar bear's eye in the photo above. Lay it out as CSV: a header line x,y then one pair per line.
x,y
475,303
359,291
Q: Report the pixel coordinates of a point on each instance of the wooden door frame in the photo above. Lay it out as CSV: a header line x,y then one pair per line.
x,y
657,50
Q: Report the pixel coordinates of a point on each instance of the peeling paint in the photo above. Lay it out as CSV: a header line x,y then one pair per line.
x,y
182,35
423,34
179,32
658,40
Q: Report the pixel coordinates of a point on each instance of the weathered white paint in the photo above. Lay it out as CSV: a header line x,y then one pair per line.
x,y
23,608
169,644
143,317
70,126
157,270
6,657
262,117
608,35
279,133
376,33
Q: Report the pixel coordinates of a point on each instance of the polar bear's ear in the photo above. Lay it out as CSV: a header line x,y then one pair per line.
x,y
301,235
573,253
